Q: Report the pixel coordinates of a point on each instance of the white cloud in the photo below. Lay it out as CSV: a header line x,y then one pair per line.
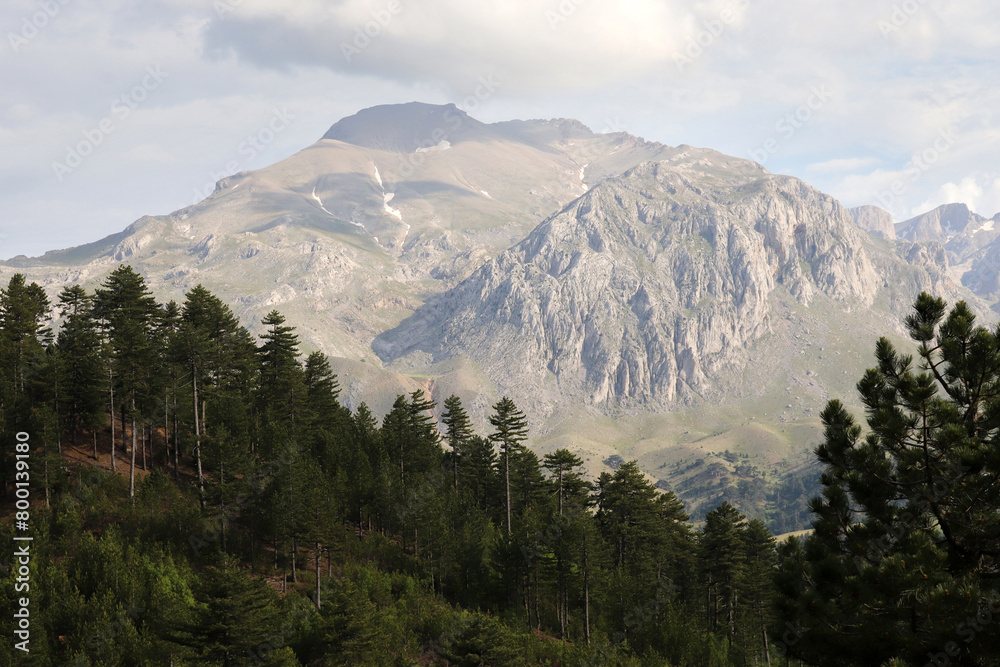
x,y
607,62
841,165
981,192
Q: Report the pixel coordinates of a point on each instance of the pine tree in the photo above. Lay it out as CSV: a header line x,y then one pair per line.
x,y
127,311
723,559
566,529
756,592
562,465
510,430
905,547
282,379
458,430
80,372
478,475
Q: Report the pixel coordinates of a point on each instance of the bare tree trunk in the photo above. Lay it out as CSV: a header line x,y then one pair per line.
x,y
177,446
586,590
767,647
124,430
197,436
131,470
166,426
319,604
112,387
295,578
506,475
144,468
222,496
95,443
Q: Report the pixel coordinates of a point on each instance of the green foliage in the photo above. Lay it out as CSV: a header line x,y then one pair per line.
x,y
292,530
904,555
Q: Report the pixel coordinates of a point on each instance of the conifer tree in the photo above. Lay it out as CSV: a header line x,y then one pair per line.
x,y
723,566
127,311
510,430
79,366
906,546
458,430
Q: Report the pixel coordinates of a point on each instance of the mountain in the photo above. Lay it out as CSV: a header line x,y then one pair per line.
x,y
350,235
655,287
658,303
970,241
874,220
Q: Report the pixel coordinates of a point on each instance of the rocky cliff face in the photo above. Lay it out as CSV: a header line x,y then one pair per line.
x,y
537,258
648,289
874,220
970,241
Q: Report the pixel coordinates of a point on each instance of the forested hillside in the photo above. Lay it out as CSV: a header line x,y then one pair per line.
x,y
201,497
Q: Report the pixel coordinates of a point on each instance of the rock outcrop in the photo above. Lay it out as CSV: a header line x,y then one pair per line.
x,y
650,288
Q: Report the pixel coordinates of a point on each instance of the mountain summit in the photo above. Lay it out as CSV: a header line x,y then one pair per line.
x,y
407,128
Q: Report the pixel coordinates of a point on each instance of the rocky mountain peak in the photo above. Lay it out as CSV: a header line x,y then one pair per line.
x,y
940,224
406,128
874,220
649,288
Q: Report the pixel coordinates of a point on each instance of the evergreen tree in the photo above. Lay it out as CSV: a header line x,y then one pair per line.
x,y
23,339
458,430
478,475
905,548
80,371
723,559
510,430
127,311
236,623
282,380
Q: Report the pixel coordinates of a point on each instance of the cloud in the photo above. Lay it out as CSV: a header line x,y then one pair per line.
x,y
612,64
563,44
841,165
981,192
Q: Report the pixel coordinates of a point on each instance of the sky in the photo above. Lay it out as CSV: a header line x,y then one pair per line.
x,y
115,109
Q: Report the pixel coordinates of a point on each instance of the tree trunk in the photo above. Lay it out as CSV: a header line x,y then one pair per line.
x,y
506,476
295,578
124,430
319,604
95,443
222,501
197,437
166,426
177,446
112,387
131,470
763,627
586,590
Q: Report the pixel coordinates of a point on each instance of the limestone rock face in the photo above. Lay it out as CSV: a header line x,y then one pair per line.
x,y
874,220
649,288
970,241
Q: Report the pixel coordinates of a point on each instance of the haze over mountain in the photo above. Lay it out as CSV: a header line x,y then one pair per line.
x,y
638,299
